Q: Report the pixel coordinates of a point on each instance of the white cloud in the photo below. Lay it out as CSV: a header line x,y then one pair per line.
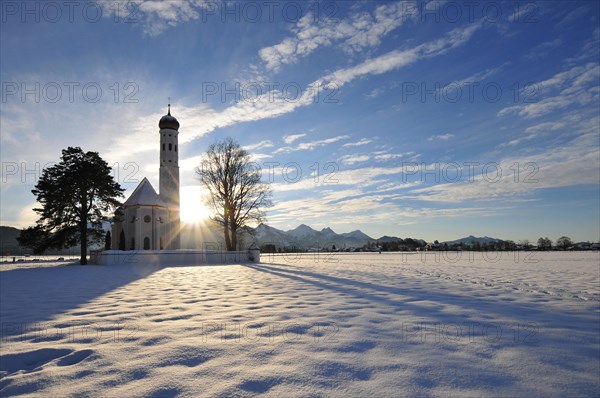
x,y
353,159
387,156
259,145
442,137
363,141
553,168
376,92
398,58
474,78
572,16
576,86
542,127
359,31
308,146
288,139
155,16
543,49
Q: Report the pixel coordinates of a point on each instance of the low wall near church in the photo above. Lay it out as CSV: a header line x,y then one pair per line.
x,y
174,257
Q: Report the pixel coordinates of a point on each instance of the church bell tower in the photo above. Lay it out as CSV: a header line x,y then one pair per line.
x,y
169,177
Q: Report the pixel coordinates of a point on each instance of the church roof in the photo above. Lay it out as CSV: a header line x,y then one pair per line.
x,y
144,195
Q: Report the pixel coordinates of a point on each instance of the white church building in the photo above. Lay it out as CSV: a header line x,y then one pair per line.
x,y
147,220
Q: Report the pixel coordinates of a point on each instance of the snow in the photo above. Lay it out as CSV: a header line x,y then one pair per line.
x,y
319,324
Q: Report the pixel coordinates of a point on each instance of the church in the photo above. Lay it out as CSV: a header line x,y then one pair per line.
x,y
147,220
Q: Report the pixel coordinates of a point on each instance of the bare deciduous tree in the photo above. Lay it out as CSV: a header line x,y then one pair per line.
x,y
238,196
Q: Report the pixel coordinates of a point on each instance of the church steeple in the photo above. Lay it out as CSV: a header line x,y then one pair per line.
x,y
169,174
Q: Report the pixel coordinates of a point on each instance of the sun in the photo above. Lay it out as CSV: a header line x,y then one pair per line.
x,y
192,208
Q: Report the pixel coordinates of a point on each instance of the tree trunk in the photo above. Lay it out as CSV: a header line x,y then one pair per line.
x,y
227,238
232,229
83,231
233,239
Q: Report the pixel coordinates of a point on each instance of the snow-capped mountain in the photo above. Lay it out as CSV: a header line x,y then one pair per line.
x,y
357,234
306,237
471,240
303,231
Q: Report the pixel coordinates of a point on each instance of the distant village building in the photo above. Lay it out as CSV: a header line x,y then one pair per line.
x,y
147,220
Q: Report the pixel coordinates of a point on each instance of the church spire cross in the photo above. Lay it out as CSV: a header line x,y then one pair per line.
x,y
169,111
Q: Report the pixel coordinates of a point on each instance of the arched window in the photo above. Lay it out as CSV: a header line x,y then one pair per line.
x,y
175,148
160,243
163,147
146,243
122,240
170,147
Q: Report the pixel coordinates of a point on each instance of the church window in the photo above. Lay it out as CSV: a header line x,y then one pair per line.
x,y
163,147
161,245
170,147
146,243
175,148
122,240
147,218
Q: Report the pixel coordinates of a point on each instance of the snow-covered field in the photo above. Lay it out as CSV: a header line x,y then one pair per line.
x,y
458,324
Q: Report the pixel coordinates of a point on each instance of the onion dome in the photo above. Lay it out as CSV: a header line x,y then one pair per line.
x,y
168,121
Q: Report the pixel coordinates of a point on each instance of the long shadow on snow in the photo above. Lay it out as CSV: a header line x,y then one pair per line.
x,y
33,296
408,298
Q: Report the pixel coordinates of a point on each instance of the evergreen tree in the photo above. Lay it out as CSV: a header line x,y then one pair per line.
x,y
75,195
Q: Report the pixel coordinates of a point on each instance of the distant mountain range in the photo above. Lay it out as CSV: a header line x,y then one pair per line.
x,y
471,240
305,237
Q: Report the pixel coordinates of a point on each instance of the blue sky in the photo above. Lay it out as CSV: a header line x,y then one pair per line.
x,y
432,119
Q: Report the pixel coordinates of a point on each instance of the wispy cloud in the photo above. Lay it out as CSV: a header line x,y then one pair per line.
x,y
259,145
363,141
572,16
308,146
553,168
543,49
387,156
474,78
398,58
288,139
358,31
352,159
441,137
576,86
156,16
